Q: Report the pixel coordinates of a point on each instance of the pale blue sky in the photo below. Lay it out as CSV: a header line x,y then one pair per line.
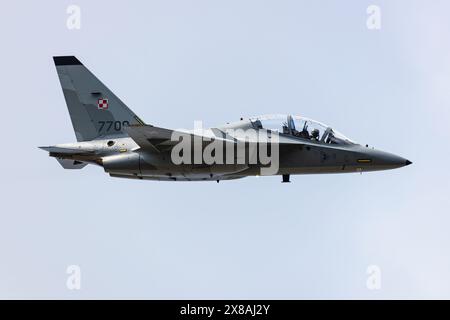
x,y
174,62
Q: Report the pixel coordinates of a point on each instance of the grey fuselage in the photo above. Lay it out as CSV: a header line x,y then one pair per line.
x,y
111,135
122,157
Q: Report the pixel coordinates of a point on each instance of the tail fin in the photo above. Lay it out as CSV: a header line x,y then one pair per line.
x,y
94,110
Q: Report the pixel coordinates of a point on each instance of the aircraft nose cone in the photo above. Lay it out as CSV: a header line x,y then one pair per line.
x,y
382,160
392,160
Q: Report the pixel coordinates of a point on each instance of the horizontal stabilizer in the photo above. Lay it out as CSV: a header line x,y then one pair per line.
x,y
71,164
73,158
68,151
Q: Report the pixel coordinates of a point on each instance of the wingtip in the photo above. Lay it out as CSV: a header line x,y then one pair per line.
x,y
66,61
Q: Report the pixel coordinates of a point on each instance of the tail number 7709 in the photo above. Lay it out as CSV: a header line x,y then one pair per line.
x,y
112,125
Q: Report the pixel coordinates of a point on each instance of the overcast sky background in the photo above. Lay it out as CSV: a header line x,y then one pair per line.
x,y
173,62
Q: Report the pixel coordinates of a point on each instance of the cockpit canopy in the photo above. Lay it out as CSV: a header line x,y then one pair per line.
x,y
300,127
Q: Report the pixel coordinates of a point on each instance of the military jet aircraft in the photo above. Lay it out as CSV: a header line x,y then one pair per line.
x,y
110,135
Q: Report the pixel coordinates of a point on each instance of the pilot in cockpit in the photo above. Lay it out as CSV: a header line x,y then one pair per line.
x,y
304,133
315,134
289,128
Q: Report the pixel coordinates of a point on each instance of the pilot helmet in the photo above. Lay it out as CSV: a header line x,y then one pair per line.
x,y
315,133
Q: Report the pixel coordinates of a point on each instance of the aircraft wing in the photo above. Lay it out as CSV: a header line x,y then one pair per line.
x,y
150,137
160,139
